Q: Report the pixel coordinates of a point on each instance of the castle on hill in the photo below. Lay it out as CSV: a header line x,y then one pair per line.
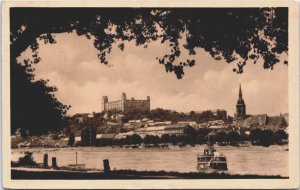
x,y
125,105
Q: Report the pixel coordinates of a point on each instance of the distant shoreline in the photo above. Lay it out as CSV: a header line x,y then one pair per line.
x,y
129,174
147,147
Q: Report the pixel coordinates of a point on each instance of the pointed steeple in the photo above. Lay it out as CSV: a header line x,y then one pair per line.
x,y
240,93
240,106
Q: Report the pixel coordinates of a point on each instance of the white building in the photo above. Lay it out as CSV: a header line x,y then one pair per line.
x,y
177,129
156,131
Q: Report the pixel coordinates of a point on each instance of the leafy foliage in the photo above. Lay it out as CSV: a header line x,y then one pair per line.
x,y
233,34
160,114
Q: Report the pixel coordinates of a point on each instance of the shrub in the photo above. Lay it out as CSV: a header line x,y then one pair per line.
x,y
27,160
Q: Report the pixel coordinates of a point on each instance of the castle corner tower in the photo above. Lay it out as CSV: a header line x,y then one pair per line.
x,y
104,102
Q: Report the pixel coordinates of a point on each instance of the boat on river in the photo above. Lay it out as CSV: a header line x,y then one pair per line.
x,y
211,160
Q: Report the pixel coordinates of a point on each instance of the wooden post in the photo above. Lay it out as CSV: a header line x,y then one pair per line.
x,y
45,162
54,164
106,166
76,158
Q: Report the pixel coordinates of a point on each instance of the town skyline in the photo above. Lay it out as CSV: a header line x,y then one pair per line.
x,y
208,85
105,101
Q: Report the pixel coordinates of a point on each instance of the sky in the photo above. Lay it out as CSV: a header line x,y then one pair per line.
x,y
72,65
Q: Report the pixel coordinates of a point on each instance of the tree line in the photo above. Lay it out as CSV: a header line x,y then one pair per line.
x,y
190,136
161,114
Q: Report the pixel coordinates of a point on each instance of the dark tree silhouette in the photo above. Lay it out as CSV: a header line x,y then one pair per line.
x,y
27,160
134,139
151,140
71,139
220,137
202,135
147,140
165,138
33,104
190,135
229,33
267,138
190,139
181,140
189,130
279,136
174,139
255,136
233,138
88,136
200,139
244,136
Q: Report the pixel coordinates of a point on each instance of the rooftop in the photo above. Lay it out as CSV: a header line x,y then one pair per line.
x,y
159,128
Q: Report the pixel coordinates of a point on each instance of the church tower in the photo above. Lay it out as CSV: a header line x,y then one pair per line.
x,y
240,106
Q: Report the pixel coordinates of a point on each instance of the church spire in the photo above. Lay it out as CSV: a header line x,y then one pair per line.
x,y
240,106
240,93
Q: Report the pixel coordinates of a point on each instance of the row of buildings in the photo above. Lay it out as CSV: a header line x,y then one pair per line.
x,y
263,122
159,130
146,126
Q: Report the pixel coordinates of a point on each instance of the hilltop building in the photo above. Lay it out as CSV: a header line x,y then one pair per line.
x,y
126,105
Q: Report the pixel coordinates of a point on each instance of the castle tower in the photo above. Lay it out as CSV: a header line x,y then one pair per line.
x,y
123,96
148,103
123,101
104,101
240,106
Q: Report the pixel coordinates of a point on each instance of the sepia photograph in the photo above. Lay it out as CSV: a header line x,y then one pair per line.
x,y
150,93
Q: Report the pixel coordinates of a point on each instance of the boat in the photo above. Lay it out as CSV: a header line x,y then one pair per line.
x,y
210,160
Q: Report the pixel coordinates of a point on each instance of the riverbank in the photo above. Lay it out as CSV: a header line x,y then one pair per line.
x,y
130,174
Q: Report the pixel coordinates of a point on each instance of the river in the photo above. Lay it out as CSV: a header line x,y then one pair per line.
x,y
271,160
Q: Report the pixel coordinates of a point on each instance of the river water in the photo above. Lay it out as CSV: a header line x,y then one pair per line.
x,y
271,160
